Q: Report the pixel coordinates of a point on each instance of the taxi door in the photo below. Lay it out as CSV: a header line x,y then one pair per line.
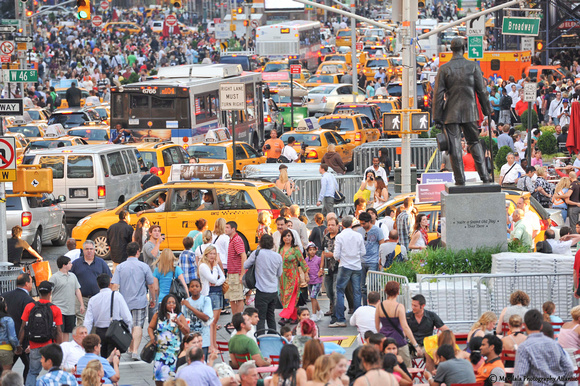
x,y
369,133
235,203
347,151
253,157
241,157
185,205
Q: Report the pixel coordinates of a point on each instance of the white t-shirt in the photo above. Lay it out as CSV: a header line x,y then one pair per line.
x,y
221,243
561,247
511,177
73,254
290,153
378,173
364,320
520,148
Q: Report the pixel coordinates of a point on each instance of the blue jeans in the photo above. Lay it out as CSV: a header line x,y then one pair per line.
x,y
363,284
343,277
35,367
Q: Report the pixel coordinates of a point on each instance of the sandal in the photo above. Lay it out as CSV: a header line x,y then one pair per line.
x,y
229,327
225,312
219,326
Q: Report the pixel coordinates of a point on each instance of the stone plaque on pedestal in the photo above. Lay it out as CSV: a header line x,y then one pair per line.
x,y
471,218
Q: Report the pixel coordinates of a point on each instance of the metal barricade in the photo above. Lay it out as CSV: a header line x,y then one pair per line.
x,y
307,189
376,281
463,298
8,276
421,151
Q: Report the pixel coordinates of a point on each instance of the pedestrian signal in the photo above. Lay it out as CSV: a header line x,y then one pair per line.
x,y
176,3
84,9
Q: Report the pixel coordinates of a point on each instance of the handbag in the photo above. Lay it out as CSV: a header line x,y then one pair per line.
x,y
148,352
303,277
249,278
338,197
177,289
118,332
225,287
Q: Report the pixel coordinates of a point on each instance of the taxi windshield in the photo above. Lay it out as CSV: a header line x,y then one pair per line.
x,y
212,152
90,134
275,67
276,198
378,63
346,124
305,138
342,34
27,131
321,79
36,145
34,115
366,110
384,106
149,159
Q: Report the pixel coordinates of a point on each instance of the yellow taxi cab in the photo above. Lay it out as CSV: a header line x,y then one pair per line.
x,y
162,155
370,40
373,64
38,114
122,26
422,60
218,146
433,211
332,68
104,111
343,38
61,91
397,64
92,133
30,130
317,80
55,136
240,201
317,140
356,127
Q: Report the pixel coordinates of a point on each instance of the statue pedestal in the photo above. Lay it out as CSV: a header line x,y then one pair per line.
x,y
473,216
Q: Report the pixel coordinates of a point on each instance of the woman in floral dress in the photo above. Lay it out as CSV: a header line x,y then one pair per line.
x,y
290,280
166,329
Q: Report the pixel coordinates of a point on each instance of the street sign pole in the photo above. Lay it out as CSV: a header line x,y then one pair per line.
x,y
353,51
529,157
3,230
291,103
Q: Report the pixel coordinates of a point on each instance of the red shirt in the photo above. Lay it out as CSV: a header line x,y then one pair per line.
x,y
56,318
576,266
469,163
235,249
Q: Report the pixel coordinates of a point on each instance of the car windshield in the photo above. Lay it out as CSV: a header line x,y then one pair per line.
x,y
346,124
90,134
331,68
395,89
36,145
275,198
306,138
275,67
343,34
326,50
102,112
366,110
378,63
339,58
68,120
34,115
241,60
321,90
27,131
384,106
212,152
397,62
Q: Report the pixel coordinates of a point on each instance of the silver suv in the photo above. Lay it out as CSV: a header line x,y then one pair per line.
x,y
41,218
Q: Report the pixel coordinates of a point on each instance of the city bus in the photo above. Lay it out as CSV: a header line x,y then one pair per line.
x,y
299,38
181,103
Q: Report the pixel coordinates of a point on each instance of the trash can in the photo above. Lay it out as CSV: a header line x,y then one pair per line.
x,y
398,184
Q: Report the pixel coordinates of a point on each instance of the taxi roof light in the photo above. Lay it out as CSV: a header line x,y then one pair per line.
x,y
217,135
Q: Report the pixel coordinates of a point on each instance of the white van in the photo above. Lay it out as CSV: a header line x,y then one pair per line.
x,y
91,177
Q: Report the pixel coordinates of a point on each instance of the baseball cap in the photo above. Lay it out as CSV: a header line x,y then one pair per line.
x,y
311,245
565,100
45,286
154,170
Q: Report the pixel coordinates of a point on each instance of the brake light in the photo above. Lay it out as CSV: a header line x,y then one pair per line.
x,y
312,154
553,223
267,119
161,171
545,224
19,160
25,218
101,191
425,99
357,136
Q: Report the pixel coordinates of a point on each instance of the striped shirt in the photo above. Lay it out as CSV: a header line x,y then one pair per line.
x,y
235,249
56,377
187,263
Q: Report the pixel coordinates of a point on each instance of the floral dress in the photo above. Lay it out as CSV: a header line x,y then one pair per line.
x,y
168,342
289,281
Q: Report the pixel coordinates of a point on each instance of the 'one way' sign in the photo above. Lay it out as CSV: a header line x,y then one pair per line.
x,y
11,107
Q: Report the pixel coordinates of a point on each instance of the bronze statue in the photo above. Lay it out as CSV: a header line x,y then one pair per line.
x,y
455,108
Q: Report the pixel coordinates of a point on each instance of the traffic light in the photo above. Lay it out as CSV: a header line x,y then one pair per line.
x,y
539,45
176,3
421,4
84,9
240,10
246,23
234,15
28,13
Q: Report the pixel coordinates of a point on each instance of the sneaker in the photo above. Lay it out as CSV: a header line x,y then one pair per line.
x,y
328,313
320,315
135,357
314,318
337,324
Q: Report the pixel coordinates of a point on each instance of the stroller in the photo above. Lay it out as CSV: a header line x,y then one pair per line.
x,y
270,343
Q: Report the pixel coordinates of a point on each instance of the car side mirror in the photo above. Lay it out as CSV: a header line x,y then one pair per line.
x,y
347,140
61,198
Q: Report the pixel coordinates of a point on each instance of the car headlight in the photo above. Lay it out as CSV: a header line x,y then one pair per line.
x,y
83,220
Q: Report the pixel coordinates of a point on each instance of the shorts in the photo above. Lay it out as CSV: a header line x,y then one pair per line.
x,y
236,290
314,290
217,300
139,316
6,357
68,323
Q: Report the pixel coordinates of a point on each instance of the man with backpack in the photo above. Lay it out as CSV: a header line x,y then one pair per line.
x,y
391,251
505,105
42,323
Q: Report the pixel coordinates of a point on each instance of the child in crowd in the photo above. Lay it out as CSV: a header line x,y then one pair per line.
x,y
303,314
315,279
286,333
187,260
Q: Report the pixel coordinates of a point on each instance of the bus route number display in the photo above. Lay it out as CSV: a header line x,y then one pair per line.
x,y
232,96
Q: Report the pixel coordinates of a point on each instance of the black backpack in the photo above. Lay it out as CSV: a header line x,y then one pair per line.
x,y
40,324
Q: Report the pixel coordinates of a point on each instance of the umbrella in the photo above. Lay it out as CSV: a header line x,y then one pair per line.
x,y
573,141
